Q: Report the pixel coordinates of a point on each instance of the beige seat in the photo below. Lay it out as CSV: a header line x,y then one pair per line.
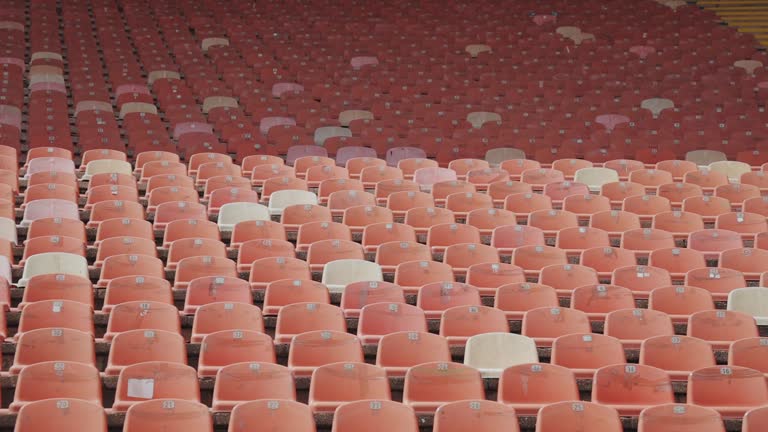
x,y
348,116
479,118
705,157
340,273
498,155
732,169
595,178
54,263
231,214
279,200
108,166
752,301
491,353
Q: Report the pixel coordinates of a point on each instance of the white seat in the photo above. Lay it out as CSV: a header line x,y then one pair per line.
x,y
5,269
48,208
340,273
325,132
498,155
54,263
8,230
705,157
348,116
752,301
231,214
595,178
479,118
732,169
279,200
491,353
49,164
108,166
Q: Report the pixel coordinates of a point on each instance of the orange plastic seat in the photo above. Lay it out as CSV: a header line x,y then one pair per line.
x,y
508,238
677,193
166,180
641,279
215,289
56,226
567,277
285,292
463,255
632,326
528,387
677,261
53,344
399,351
377,234
706,178
709,207
64,314
275,184
375,416
411,275
341,200
488,219
193,267
337,383
750,262
253,250
586,205
312,232
228,347
459,323
615,222
64,415
755,420
717,280
517,298
499,190
545,324
604,260
422,219
255,230
110,193
299,318
721,327
680,302
216,317
737,193
599,300
617,192
462,203
277,268
391,254
130,265
552,221
430,385
750,353
516,167
380,319
646,206
238,383
155,380
574,240
50,191
57,286
176,210
678,355
138,346
630,388
578,416
322,252
645,240
124,246
142,315
746,224
678,168
731,390
534,258
523,204
651,178
261,173
680,418
136,288
757,205
442,189
105,211
57,380
402,201
168,194
168,415
489,276
314,349
679,223
357,218
583,354
54,243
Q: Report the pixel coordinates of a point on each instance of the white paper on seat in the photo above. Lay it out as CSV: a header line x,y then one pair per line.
x,y
141,388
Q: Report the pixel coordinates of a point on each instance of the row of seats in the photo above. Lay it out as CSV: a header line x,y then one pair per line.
x,y
378,415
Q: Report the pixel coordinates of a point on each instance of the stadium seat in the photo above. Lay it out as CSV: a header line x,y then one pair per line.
x,y
730,390
138,346
168,414
155,380
334,384
479,415
721,327
63,414
630,388
528,387
310,350
578,416
583,354
430,385
545,324
57,380
680,417
678,355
